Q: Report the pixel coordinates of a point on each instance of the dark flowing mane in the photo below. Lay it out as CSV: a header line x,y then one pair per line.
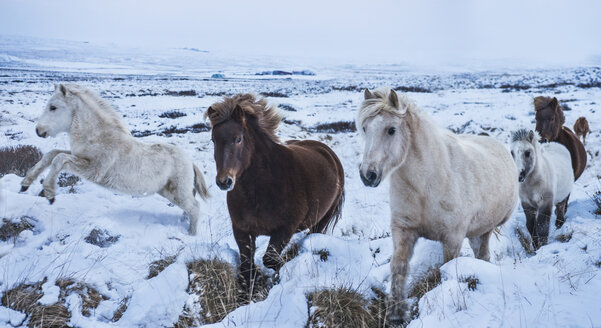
x,y
267,116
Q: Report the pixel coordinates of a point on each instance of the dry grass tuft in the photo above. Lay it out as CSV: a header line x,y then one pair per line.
x,y
377,307
121,309
340,307
10,230
335,127
565,237
17,160
158,266
525,241
68,180
24,298
216,285
324,254
428,281
597,200
290,252
471,281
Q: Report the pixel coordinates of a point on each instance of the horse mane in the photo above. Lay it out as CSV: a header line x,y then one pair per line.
x,y
524,135
267,116
103,108
380,103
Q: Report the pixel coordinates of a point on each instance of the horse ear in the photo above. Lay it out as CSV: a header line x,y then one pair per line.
x,y
368,95
554,103
238,114
63,89
393,99
209,112
530,136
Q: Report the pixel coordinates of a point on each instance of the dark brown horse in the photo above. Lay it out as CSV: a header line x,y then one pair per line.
x,y
581,128
549,124
273,189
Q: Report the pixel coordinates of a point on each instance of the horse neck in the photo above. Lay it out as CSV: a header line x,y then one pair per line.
x,y
426,139
540,165
88,118
266,155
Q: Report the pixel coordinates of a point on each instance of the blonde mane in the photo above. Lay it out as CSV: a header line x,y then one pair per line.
x,y
380,103
267,116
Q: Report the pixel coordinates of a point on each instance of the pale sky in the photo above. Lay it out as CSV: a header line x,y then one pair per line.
x,y
420,31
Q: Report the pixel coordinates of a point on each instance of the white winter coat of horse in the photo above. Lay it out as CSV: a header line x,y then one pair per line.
x,y
104,151
546,178
443,186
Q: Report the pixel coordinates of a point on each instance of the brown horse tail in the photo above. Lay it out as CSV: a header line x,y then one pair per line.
x,y
199,183
330,219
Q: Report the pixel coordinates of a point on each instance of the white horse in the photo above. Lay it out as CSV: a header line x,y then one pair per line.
x,y
443,186
103,151
546,178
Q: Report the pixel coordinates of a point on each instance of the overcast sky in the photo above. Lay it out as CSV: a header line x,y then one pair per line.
x,y
419,31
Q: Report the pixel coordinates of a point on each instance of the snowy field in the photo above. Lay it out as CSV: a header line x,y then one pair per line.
x,y
559,286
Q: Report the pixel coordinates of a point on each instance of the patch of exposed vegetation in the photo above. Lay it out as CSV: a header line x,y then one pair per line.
x,y
335,127
68,180
324,254
17,160
287,107
339,307
172,114
11,229
471,281
274,94
120,310
565,236
182,93
101,238
24,298
412,89
597,200
425,283
158,266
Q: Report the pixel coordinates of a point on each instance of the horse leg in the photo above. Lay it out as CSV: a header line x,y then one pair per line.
x,y
35,171
404,241
246,246
451,247
530,213
61,161
560,212
277,242
185,200
480,246
541,230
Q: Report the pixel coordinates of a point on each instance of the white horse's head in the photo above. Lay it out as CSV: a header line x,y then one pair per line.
x,y
58,114
382,123
524,144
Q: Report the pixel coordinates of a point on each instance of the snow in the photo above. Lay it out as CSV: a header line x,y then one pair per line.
x,y
557,287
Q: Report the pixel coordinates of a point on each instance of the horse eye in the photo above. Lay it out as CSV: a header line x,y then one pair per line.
x,y
364,129
52,108
527,153
391,130
238,139
512,154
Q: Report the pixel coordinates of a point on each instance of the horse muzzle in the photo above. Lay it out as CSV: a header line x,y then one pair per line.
x,y
41,134
370,178
226,184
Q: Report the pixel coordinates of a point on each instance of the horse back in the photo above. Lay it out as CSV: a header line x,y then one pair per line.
x,y
576,149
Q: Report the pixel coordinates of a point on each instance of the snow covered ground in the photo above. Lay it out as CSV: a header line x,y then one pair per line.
x,y
557,287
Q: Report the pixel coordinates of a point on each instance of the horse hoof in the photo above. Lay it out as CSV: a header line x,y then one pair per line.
x,y
24,188
51,200
41,194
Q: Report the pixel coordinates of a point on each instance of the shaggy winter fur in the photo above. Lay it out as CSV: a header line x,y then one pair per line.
x,y
443,186
546,178
103,151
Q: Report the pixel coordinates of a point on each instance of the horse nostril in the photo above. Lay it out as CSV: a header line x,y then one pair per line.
x,y
371,176
228,182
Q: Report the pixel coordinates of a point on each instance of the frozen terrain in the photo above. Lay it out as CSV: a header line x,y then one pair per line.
x,y
559,286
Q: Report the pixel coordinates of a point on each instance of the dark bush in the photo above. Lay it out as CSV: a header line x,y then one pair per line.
x,y
17,160
335,127
172,114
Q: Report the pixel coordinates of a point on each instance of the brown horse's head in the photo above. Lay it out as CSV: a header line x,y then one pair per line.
x,y
549,117
236,122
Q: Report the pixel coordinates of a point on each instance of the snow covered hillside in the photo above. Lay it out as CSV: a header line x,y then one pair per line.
x,y
108,242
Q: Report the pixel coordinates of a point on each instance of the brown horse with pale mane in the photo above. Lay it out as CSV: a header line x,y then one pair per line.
x,y
549,124
274,189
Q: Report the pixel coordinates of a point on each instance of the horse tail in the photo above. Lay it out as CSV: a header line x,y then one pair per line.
x,y
330,219
199,183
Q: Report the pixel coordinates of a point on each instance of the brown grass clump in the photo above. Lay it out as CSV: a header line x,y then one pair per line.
x,y
335,127
10,230
428,281
216,284
158,266
341,307
121,309
377,307
24,298
17,160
